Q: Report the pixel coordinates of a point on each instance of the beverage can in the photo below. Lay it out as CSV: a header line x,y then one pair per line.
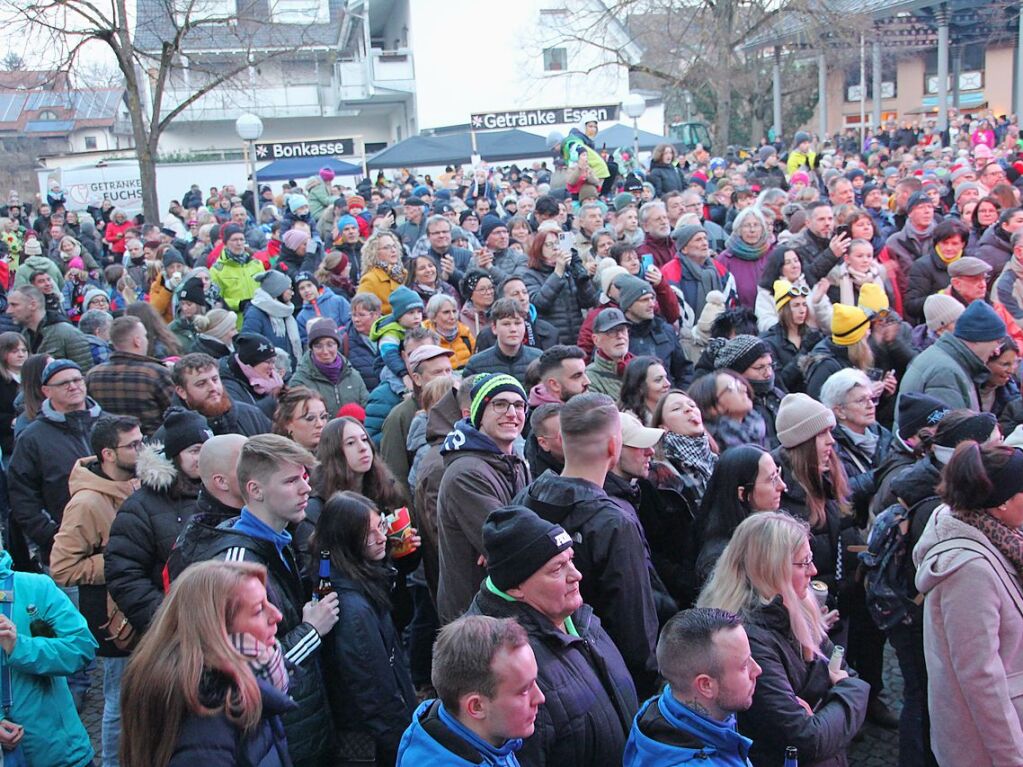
x,y
835,664
399,532
820,592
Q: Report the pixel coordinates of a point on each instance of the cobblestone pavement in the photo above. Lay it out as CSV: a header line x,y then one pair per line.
x,y
880,747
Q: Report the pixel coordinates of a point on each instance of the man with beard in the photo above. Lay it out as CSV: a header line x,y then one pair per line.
x,y
199,388
653,218
99,484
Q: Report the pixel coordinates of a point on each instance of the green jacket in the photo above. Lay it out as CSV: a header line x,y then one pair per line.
x,y
318,194
948,371
184,331
61,340
349,387
604,378
236,281
42,702
33,264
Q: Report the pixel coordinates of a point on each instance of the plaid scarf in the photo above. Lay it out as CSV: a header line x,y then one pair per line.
x,y
266,661
692,454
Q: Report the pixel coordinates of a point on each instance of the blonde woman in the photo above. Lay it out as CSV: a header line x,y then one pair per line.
x,y
764,575
207,682
382,271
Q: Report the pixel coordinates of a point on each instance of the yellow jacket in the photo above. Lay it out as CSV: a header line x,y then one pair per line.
x,y
380,284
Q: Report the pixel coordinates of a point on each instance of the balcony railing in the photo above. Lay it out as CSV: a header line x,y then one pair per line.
x,y
296,100
391,70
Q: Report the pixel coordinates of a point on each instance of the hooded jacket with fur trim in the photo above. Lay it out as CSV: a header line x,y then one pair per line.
x,y
143,533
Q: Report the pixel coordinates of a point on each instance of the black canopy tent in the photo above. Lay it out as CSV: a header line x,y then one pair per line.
x,y
303,167
452,148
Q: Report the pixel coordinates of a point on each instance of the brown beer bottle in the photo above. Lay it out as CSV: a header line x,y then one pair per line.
x,y
323,586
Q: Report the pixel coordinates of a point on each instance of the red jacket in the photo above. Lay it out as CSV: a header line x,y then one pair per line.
x,y
114,234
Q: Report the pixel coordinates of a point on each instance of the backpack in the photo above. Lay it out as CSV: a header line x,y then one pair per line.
x,y
892,598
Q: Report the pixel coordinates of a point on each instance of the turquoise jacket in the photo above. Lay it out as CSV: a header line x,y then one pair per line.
x,y
42,703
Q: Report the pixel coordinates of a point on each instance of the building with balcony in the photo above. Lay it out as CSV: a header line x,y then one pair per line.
x,y
311,69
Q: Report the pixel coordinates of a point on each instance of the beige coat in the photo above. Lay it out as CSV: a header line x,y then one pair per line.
x,y
973,643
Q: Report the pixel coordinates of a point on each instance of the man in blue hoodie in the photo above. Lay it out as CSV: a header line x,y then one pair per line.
x,y
704,654
485,675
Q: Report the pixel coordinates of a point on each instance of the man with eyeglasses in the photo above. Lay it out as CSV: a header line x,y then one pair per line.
x,y
46,452
99,484
47,332
452,262
482,472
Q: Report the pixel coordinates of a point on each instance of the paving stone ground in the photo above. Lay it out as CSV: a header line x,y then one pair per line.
x,y
878,748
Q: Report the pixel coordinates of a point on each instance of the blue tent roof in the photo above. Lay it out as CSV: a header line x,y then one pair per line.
x,y
303,167
618,136
493,146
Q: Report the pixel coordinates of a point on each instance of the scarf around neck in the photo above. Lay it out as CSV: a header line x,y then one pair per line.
x,y
331,371
282,319
261,384
395,271
742,250
1008,540
691,453
266,661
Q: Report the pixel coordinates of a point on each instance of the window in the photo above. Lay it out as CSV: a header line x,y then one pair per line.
x,y
90,142
201,10
971,68
47,115
299,11
555,59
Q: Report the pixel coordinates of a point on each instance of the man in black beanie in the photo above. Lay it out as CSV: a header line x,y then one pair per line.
x,y
590,697
649,334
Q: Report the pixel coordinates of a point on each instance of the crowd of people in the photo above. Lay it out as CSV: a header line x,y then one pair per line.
x,y
588,464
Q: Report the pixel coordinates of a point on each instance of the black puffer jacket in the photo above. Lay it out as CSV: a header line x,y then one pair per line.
x,y
666,178
308,727
493,361
787,357
561,300
611,554
367,671
143,534
776,720
44,454
590,699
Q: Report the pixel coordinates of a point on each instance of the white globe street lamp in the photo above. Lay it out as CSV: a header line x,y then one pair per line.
x,y
249,128
634,105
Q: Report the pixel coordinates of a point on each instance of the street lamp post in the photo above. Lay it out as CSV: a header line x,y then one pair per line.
x,y
634,105
249,128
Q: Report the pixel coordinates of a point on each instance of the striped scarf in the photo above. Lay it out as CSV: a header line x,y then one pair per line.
x,y
266,661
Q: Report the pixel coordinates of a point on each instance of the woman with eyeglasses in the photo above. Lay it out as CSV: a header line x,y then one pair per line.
x,y
745,481
478,295
365,663
725,399
300,416
745,253
792,337
786,264
382,270
764,575
326,371
985,214
559,285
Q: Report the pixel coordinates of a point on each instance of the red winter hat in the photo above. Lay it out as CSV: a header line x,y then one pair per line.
x,y
354,410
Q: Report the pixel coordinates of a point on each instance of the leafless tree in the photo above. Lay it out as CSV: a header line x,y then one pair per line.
x,y
12,62
708,46
178,29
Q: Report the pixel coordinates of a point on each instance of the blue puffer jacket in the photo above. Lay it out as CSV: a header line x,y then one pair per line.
x,y
42,702
382,400
363,357
437,738
329,304
213,741
666,732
